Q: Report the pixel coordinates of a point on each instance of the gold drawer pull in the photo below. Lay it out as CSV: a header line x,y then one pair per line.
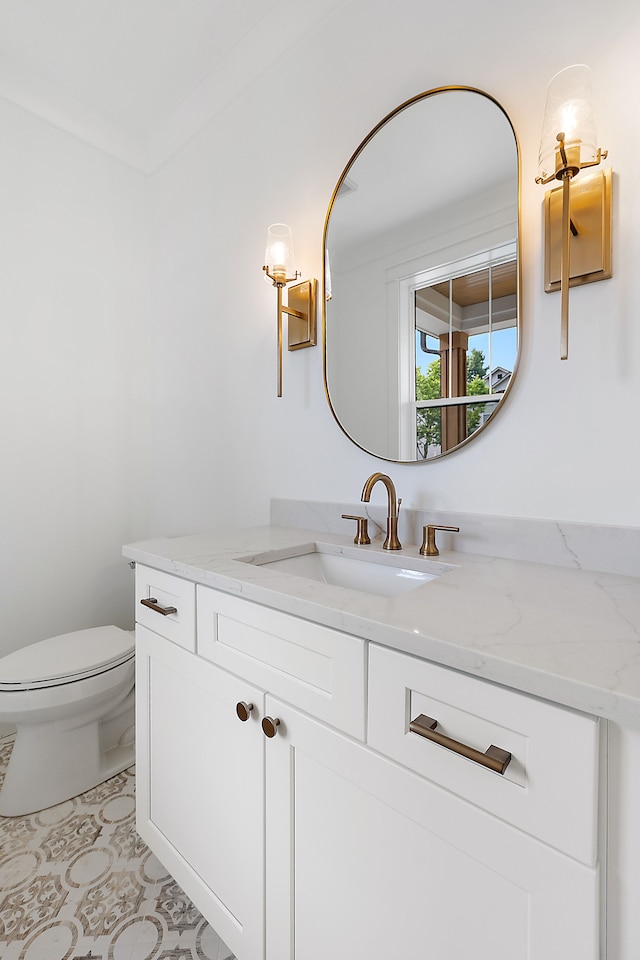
x,y
495,758
152,603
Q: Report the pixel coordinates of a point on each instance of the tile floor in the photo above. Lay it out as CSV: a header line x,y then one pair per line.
x,y
77,883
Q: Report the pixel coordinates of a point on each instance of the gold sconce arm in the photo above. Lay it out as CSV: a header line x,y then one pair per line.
x,y
564,269
301,308
301,329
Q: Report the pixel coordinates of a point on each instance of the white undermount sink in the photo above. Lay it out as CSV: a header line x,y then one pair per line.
x,y
369,571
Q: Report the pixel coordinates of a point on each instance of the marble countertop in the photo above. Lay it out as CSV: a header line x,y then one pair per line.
x,y
570,636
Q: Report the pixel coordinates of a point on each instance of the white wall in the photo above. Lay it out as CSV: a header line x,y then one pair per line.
x,y
74,255
124,418
564,446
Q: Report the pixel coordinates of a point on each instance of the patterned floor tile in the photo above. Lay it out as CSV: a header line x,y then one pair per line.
x,y
78,883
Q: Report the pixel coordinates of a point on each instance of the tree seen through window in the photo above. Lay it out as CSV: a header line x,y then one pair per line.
x,y
429,419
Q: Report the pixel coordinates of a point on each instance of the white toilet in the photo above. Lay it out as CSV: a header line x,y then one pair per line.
x,y
71,699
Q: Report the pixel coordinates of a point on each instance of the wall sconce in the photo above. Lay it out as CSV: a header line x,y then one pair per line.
x,y
577,225
301,308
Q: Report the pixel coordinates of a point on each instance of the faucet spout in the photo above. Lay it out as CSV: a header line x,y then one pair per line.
x,y
393,508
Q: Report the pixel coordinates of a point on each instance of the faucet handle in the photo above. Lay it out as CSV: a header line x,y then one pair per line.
x,y
362,533
429,548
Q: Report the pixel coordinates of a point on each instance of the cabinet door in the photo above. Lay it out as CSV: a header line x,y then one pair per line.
x,y
623,842
367,859
200,776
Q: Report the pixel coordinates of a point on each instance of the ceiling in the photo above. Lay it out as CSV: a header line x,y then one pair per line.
x,y
473,288
125,74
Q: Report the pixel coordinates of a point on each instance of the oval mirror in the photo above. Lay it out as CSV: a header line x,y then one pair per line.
x,y
421,279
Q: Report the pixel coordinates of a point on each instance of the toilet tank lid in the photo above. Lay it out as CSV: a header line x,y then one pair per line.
x,y
67,655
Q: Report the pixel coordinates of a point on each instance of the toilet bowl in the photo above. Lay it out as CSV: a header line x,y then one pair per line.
x,y
71,699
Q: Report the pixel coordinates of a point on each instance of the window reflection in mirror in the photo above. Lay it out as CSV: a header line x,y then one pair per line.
x,y
465,347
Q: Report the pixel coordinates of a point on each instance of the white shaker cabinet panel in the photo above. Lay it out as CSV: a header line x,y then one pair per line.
x,y
320,670
550,786
200,776
166,605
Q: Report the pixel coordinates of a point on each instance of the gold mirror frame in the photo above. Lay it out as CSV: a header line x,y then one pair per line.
x,y
345,182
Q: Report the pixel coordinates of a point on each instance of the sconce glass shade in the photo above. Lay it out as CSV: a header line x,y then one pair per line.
x,y
568,110
279,258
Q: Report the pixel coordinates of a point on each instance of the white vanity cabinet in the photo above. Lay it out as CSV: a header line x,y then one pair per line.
x,y
200,768
341,835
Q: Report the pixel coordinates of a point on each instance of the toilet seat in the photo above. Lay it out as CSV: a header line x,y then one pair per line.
x,y
66,658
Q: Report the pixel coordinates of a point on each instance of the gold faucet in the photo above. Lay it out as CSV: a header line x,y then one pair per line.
x,y
392,542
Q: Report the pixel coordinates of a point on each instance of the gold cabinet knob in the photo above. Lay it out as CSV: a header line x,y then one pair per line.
x,y
243,710
270,726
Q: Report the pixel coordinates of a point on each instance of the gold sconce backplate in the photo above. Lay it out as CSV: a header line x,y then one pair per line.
x,y
302,330
591,218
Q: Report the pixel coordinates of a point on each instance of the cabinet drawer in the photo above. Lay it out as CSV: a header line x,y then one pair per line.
x,y
167,591
320,670
548,789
